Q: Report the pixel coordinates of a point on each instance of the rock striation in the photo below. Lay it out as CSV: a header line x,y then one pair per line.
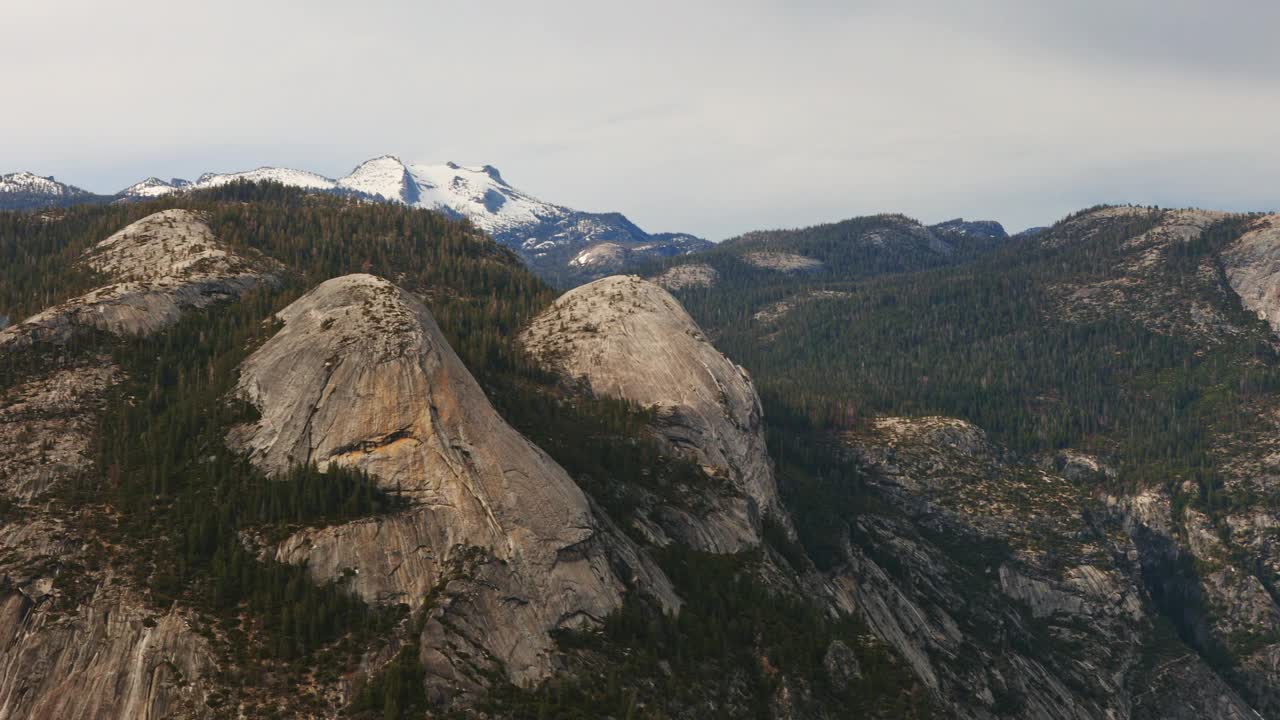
x,y
155,268
112,658
628,338
498,541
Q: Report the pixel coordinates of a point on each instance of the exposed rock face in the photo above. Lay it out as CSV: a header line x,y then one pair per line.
x,y
841,664
157,267
45,428
112,659
77,640
782,261
361,376
601,255
1011,567
628,338
1252,265
1141,285
774,312
694,275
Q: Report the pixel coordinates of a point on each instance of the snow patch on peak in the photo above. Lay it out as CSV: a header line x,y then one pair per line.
x,y
481,195
385,177
154,187
284,176
29,182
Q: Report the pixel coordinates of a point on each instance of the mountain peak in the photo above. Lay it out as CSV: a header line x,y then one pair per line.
x,y
385,177
27,189
988,229
547,235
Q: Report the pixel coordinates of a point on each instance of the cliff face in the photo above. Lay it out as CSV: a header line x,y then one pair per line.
x,y
498,539
77,639
1252,266
112,658
627,338
1044,588
154,269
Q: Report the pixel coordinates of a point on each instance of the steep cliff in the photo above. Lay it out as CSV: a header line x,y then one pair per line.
x,y
1252,266
498,543
627,338
1023,572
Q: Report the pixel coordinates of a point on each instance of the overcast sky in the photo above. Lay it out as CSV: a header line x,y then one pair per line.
x,y
705,117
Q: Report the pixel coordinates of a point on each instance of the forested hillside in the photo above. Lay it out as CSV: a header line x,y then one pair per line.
x,y
989,477
168,517
1112,348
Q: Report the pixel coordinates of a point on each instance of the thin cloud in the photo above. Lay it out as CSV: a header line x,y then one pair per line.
x,y
712,117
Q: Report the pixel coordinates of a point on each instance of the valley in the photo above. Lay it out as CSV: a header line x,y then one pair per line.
x,y
273,452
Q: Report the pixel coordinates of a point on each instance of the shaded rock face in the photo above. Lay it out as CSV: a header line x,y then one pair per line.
x,y
113,658
627,338
1218,603
156,268
361,376
1010,591
1252,266
77,642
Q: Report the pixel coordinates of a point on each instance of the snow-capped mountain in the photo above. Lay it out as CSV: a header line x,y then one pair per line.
x,y
154,187
284,176
25,190
547,235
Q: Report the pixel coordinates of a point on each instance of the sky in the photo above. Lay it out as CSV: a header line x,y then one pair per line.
x,y
712,117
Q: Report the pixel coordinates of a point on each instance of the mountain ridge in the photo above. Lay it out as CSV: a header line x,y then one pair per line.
x,y
547,235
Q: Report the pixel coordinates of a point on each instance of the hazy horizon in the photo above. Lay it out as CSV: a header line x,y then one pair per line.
x,y
712,120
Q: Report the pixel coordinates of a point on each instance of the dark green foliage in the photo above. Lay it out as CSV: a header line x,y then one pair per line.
x,y
603,443
730,650
395,692
989,341
184,498
182,504
821,487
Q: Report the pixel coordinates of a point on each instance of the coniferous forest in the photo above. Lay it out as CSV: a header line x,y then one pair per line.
x,y
190,512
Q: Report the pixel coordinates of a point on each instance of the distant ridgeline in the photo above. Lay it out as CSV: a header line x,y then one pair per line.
x,y
560,244
165,528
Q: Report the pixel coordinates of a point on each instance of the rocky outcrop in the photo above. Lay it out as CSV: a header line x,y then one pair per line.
x,y
501,539
1147,281
1252,265
773,313
75,640
624,337
155,268
782,261
1008,592
693,275
45,427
